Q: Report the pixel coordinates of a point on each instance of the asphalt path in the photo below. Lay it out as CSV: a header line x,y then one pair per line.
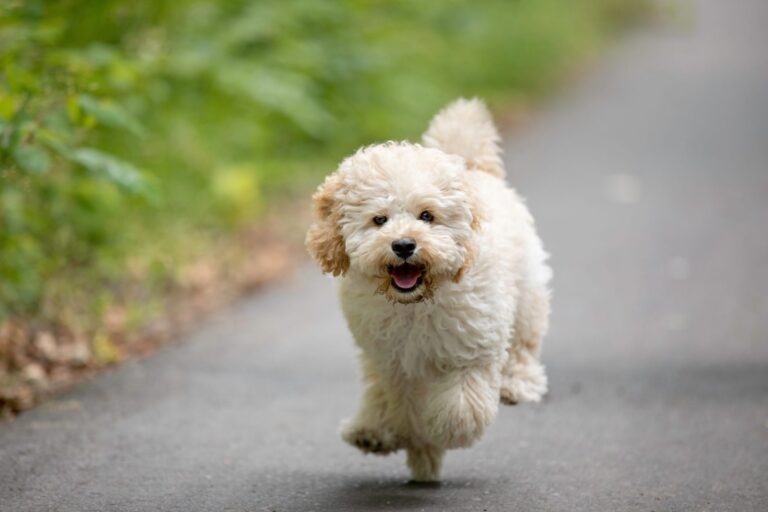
x,y
649,182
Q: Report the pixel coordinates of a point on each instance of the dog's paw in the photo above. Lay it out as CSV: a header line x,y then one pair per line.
x,y
370,440
527,384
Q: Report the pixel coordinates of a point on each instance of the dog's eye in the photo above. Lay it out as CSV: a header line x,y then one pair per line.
x,y
380,220
426,216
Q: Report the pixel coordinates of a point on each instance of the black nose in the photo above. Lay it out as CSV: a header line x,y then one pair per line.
x,y
404,247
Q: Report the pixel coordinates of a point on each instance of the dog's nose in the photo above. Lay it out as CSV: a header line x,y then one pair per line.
x,y
404,247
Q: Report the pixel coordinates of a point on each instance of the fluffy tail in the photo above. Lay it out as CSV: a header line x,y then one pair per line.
x,y
465,128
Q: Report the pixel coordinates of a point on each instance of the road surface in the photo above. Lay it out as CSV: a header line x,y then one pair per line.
x,y
649,181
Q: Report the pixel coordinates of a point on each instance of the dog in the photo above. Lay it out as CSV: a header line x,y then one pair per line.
x,y
444,286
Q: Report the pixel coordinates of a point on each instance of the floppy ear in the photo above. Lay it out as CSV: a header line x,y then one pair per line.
x,y
468,260
324,241
476,209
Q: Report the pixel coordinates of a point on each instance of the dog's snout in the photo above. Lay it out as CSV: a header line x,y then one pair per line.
x,y
404,247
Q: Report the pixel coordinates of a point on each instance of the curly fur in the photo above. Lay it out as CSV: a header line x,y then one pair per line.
x,y
436,359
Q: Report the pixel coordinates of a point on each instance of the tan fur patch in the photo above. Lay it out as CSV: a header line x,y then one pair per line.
x,y
469,259
478,216
324,240
478,212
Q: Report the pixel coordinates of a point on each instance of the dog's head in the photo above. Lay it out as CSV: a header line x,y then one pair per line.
x,y
401,215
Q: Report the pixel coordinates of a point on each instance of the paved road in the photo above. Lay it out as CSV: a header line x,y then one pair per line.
x,y
650,184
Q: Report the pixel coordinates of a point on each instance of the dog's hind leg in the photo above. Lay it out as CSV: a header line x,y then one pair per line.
x,y
425,463
523,376
372,430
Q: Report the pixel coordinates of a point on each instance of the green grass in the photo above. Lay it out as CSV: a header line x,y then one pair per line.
x,y
134,136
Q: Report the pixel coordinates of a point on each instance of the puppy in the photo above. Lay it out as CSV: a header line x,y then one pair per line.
x,y
444,285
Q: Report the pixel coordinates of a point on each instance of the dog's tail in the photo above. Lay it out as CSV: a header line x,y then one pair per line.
x,y
465,128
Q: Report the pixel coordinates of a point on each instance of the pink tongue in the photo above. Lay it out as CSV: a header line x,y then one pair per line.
x,y
406,276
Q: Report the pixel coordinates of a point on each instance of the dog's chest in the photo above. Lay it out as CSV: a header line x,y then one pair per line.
x,y
416,338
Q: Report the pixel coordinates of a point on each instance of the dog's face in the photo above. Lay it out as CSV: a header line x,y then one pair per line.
x,y
399,214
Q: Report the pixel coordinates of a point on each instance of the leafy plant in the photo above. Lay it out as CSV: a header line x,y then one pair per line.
x,y
133,133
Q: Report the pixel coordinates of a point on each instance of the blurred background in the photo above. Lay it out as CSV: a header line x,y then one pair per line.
x,y
156,157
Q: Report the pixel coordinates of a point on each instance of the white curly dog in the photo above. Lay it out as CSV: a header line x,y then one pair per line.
x,y
444,286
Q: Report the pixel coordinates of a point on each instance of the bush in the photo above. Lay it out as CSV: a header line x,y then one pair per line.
x,y
131,133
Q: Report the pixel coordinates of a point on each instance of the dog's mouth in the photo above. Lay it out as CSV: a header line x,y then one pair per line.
x,y
406,277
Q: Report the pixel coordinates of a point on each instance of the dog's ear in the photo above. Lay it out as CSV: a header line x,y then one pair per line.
x,y
469,259
476,210
324,240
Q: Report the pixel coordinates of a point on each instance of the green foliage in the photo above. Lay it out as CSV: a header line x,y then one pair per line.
x,y
127,128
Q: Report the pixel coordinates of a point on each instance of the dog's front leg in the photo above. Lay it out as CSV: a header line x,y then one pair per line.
x,y
372,429
460,404
425,462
